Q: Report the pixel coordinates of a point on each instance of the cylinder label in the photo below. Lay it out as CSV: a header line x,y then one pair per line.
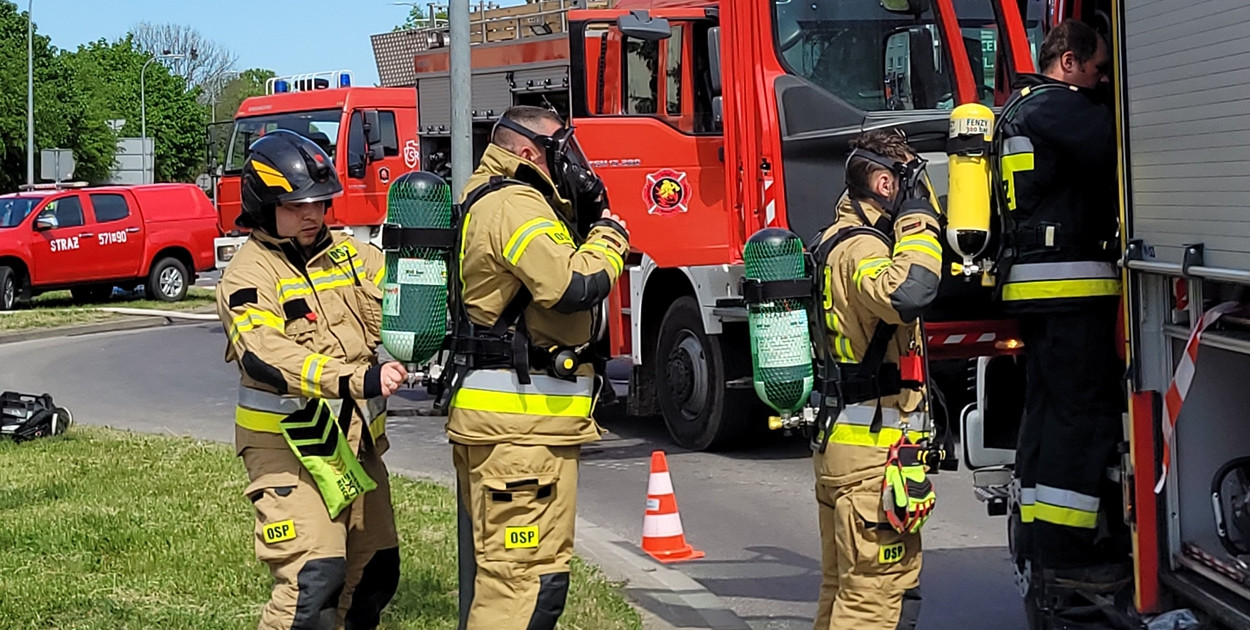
x,y
781,338
390,299
972,127
422,271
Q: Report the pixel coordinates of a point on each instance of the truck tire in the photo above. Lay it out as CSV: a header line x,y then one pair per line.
x,y
701,413
91,294
168,281
8,289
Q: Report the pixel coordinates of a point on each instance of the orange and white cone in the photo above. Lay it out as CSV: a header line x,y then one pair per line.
x,y
662,535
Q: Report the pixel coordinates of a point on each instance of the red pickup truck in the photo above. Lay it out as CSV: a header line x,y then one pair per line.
x,y
89,240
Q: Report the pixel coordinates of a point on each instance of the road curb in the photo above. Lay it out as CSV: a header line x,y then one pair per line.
x,y
665,598
136,323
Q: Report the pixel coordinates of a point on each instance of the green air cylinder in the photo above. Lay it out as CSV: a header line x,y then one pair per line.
x,y
414,301
781,351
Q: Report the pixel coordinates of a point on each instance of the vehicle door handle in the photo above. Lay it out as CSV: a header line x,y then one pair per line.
x,y
132,230
86,235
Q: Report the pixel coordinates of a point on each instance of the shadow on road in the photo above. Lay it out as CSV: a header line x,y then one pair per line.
x,y
651,434
963,589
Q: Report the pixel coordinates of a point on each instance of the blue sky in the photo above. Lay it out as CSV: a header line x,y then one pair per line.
x,y
287,36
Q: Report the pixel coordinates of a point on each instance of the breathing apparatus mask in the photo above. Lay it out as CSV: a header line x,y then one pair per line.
x,y
914,188
575,180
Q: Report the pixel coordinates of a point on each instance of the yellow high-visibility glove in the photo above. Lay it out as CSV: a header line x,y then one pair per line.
x,y
907,494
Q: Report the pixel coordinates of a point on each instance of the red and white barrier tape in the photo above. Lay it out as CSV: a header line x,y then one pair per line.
x,y
1181,380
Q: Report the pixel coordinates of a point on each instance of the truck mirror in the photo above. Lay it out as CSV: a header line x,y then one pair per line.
x,y
911,7
46,221
897,71
373,136
911,71
640,25
357,165
718,105
713,56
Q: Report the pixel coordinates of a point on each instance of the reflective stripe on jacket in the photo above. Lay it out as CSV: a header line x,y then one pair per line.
x,y
1057,280
262,411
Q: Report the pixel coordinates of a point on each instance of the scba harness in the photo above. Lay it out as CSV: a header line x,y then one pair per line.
x,y
506,344
840,384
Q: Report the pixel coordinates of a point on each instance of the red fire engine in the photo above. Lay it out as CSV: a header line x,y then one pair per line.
x,y
377,126
729,118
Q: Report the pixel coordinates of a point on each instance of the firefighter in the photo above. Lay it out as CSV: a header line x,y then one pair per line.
x,y
880,262
302,312
521,406
1058,275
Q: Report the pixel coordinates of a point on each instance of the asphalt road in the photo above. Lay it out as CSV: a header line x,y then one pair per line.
x,y
751,512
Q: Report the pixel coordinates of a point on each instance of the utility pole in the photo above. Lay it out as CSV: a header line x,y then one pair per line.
x,y
30,96
461,163
461,97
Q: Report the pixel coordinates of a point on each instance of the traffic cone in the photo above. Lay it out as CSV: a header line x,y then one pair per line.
x,y
662,536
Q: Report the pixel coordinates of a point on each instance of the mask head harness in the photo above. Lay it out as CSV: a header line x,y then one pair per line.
x,y
575,180
913,184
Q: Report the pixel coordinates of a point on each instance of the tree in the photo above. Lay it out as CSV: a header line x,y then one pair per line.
x,y
109,73
239,88
207,63
225,103
63,118
416,18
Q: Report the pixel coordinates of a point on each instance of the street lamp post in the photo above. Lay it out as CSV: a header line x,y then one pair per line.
x,y
30,96
220,84
143,109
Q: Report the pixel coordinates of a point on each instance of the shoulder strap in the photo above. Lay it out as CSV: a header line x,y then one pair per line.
x,y
823,250
497,182
1025,94
513,312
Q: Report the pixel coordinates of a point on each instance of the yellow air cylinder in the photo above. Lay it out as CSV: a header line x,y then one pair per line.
x,y
968,195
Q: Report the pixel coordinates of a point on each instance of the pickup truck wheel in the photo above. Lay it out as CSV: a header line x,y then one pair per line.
x,y
701,413
167,281
8,289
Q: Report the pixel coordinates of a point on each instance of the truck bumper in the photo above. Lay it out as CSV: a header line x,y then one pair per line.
x,y
224,249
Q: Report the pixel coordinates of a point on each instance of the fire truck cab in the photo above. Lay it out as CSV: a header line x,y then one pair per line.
x,y
377,127
711,120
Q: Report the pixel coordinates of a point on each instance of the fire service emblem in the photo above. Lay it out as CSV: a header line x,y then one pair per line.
x,y
666,192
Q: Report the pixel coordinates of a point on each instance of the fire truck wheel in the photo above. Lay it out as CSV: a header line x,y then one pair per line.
x,y
167,281
8,289
701,413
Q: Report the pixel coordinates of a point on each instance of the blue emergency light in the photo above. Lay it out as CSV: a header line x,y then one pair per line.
x,y
345,80
281,86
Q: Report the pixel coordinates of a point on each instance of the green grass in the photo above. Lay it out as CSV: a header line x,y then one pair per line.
x,y
102,529
58,308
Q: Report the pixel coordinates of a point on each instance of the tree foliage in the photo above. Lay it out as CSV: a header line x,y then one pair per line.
x,y
63,118
78,92
241,87
416,18
225,103
203,60
111,77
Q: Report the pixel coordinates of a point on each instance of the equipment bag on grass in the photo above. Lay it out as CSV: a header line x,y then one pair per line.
x,y
27,416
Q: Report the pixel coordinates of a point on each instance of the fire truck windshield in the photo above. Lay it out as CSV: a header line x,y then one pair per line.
x,y
13,210
868,56
321,126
